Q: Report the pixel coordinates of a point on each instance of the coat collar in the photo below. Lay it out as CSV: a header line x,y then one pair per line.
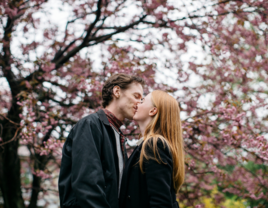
x,y
103,117
105,121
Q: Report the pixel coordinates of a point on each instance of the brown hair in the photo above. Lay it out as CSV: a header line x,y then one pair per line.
x,y
165,127
121,80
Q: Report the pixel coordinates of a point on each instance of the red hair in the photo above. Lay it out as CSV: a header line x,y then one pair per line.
x,y
166,127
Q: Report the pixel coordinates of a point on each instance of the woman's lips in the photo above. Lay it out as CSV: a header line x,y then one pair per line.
x,y
135,109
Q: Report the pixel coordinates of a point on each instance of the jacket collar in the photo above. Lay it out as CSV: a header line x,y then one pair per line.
x,y
103,117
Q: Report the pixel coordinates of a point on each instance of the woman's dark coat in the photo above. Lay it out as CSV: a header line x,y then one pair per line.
x,y
154,187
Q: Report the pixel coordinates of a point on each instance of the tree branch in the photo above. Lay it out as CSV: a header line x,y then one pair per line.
x,y
14,137
94,23
64,59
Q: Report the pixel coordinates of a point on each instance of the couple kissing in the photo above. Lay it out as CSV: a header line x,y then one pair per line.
x,y
95,169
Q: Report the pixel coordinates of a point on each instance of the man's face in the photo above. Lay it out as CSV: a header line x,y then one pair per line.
x,y
129,100
144,108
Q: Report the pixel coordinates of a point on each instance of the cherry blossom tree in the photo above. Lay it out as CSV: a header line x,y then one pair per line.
x,y
56,55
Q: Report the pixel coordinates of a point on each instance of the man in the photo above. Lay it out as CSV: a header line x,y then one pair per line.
x,y
94,152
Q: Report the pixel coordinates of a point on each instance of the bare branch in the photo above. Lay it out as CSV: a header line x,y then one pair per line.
x,y
9,120
97,40
200,16
14,137
120,29
94,23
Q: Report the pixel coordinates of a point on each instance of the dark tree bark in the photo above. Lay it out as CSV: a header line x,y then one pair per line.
x,y
10,163
39,163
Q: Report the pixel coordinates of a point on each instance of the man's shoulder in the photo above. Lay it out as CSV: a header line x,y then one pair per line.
x,y
93,117
93,121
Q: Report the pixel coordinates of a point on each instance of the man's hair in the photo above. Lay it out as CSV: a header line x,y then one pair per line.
x,y
121,80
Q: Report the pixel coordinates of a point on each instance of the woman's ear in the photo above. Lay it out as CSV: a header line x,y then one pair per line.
x,y
153,111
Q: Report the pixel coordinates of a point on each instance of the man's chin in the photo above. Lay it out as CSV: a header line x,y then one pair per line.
x,y
131,117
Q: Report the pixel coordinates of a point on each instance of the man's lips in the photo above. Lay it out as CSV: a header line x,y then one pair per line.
x,y
135,109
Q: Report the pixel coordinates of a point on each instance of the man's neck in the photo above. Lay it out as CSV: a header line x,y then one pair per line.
x,y
114,111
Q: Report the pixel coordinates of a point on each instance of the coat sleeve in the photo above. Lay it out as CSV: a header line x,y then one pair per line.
x,y
88,180
159,179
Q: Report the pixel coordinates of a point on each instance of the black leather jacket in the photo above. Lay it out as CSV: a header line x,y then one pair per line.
x,y
89,170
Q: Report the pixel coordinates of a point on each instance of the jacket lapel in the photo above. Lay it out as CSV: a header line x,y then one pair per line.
x,y
105,121
110,132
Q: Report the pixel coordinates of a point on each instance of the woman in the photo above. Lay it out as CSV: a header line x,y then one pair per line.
x,y
154,172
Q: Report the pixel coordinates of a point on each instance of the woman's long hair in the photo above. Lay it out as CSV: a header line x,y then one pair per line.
x,y
166,127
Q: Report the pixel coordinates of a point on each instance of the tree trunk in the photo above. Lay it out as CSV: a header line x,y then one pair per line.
x,y
39,163
10,162
36,185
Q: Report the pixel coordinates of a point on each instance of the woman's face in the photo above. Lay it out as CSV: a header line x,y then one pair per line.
x,y
145,109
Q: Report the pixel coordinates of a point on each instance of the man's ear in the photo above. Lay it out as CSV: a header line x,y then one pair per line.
x,y
116,91
153,111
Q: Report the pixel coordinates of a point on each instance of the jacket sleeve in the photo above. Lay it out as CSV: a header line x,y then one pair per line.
x,y
159,178
88,180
